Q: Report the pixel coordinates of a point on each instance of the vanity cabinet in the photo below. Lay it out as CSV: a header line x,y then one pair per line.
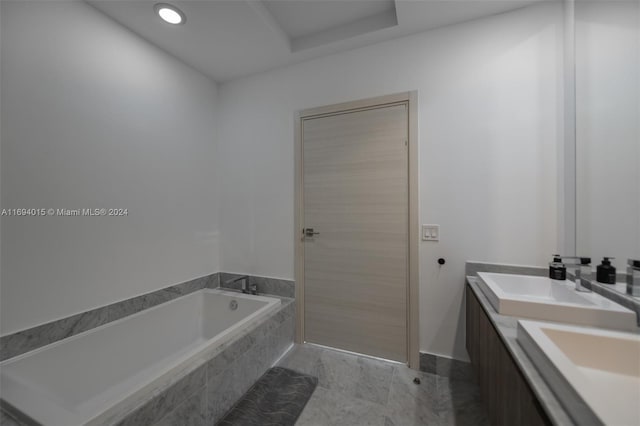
x,y
507,396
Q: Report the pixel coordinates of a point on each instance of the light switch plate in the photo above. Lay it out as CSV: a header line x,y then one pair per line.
x,y
430,232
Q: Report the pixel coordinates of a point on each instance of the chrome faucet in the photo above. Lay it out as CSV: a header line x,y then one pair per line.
x,y
246,287
582,272
633,277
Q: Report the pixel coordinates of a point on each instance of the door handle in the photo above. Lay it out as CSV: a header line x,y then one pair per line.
x,y
308,232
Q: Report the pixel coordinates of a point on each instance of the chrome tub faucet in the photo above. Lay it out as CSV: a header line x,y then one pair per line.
x,y
246,287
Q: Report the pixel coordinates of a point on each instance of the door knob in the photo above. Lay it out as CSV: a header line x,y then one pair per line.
x,y
308,232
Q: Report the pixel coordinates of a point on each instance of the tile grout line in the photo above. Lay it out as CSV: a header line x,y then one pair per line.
x,y
393,375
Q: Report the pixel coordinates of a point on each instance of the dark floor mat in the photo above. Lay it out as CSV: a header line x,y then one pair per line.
x,y
277,399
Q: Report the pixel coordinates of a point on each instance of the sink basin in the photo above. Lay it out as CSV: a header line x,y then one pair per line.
x,y
595,373
546,299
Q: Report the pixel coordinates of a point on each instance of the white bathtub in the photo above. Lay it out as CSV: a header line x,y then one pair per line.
x,y
90,377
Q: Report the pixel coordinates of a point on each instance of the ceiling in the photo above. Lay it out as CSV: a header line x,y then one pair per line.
x,y
305,18
227,39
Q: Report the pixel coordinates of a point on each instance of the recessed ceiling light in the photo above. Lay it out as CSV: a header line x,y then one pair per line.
x,y
170,13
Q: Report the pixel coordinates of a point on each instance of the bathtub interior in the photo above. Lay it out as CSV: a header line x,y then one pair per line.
x,y
219,316
87,373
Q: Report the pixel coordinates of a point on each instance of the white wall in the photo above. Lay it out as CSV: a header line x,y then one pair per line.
x,y
490,98
93,116
608,129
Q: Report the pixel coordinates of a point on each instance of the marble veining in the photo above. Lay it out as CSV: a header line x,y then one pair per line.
x,y
459,402
131,306
159,406
203,391
358,390
192,412
218,380
33,338
7,420
265,285
446,367
24,341
277,398
237,368
472,269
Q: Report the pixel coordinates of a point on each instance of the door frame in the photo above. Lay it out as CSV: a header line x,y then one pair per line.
x,y
411,100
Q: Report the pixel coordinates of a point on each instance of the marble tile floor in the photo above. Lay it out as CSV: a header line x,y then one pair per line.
x,y
354,391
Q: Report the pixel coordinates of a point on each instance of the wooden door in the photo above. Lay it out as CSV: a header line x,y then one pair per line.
x,y
355,186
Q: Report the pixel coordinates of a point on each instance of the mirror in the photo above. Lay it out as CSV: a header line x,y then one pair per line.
x,y
607,131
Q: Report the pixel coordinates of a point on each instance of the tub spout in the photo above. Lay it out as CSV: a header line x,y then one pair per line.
x,y
245,283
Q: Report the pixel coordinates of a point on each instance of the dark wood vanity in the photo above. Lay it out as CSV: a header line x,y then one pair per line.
x,y
507,396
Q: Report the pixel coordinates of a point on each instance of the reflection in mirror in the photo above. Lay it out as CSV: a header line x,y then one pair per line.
x,y
607,57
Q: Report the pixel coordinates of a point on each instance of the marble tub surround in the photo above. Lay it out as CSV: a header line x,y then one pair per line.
x,y
26,340
358,390
204,392
265,285
232,375
507,328
167,401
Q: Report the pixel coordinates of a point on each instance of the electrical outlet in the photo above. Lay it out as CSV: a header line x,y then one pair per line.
x,y
430,232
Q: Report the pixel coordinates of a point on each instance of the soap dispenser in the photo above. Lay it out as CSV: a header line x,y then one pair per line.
x,y
606,273
557,269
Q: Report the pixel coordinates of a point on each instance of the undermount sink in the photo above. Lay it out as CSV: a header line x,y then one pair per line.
x,y
595,373
546,299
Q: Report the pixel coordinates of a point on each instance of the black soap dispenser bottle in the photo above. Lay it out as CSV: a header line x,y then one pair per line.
x,y
606,273
557,269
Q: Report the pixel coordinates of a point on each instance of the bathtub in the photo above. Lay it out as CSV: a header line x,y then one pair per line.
x,y
88,378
